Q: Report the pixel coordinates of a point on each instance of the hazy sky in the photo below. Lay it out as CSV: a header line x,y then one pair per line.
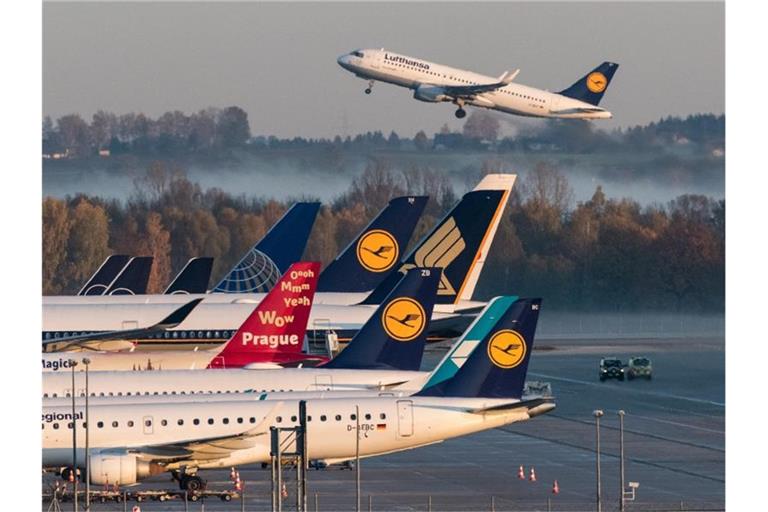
x,y
278,61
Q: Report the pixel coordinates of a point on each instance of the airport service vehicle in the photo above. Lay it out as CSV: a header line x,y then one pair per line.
x,y
436,83
133,441
459,244
272,335
639,367
611,368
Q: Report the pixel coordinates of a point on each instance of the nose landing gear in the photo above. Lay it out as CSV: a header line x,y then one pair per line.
x,y
370,87
460,113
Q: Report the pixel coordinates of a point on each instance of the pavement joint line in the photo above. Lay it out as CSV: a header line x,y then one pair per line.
x,y
606,454
633,390
644,434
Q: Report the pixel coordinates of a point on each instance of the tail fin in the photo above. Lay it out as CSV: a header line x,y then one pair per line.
x,y
134,278
104,275
193,278
283,245
459,243
395,335
497,368
278,323
463,347
374,254
591,87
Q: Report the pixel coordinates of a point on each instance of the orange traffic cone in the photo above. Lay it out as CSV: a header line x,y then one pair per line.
x,y
521,473
555,488
532,476
284,491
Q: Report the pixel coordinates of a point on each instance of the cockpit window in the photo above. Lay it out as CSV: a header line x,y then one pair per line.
x,y
357,53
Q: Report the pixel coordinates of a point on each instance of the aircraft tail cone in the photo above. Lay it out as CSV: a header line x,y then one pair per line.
x,y
555,488
532,476
521,473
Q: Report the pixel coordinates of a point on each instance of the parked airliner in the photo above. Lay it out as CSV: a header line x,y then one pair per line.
x,y
436,83
271,336
133,441
402,374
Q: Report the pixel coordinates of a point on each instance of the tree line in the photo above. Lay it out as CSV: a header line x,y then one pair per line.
x,y
602,254
218,132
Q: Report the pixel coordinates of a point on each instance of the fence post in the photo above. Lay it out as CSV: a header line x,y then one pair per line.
x,y
429,503
317,509
370,503
493,503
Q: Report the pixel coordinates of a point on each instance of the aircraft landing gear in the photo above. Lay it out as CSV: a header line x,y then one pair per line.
x,y
189,481
370,87
460,112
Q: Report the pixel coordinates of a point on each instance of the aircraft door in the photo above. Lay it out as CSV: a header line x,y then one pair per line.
x,y
404,418
148,423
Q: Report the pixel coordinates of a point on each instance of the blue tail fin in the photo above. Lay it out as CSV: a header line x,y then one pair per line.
x,y
375,253
497,367
591,87
458,243
463,347
104,275
193,278
282,246
134,278
395,335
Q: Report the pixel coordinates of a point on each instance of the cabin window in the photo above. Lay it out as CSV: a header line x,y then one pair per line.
x,y
114,424
196,421
43,426
55,426
367,416
252,420
293,419
309,418
179,422
164,423
239,420
130,423
100,424
323,417
383,416
225,421
353,417
279,419
147,423
210,421
69,425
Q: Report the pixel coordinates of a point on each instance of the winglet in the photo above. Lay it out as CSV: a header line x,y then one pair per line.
x,y
178,315
508,76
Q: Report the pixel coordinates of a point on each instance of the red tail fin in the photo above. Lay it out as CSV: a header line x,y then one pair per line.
x,y
278,324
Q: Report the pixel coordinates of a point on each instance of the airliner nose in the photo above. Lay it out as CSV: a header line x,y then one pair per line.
x,y
343,60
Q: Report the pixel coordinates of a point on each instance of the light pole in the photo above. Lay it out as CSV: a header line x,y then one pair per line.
x,y
87,362
621,459
72,364
598,413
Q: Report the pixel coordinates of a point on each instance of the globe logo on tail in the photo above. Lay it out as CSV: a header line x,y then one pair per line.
x,y
507,349
403,319
377,250
596,82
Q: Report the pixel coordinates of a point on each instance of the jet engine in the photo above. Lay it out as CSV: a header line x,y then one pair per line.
x,y
430,93
122,469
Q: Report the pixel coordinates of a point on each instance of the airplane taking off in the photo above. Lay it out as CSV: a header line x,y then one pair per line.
x,y
273,334
436,83
136,440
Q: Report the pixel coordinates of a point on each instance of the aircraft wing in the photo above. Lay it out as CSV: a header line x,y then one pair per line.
x,y
471,90
579,110
532,407
210,448
87,341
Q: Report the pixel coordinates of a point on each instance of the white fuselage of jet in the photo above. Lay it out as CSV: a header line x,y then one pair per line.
x,y
152,433
426,79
